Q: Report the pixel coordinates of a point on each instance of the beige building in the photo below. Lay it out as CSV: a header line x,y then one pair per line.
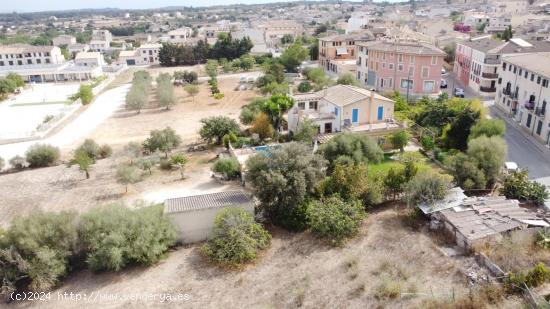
x,y
342,107
274,30
194,215
337,50
64,40
146,54
180,35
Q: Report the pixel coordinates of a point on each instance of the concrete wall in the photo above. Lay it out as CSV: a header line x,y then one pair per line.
x,y
195,226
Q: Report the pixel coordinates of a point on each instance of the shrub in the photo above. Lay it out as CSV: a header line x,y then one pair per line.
x,y
488,127
351,148
105,151
116,236
304,86
426,187
41,155
236,238
518,186
91,148
229,138
228,166
37,250
17,162
262,126
351,182
334,219
400,139
427,142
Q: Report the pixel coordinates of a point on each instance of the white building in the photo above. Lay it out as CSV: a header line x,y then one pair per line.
x,y
194,216
77,48
64,40
29,55
146,54
91,59
102,35
99,46
524,92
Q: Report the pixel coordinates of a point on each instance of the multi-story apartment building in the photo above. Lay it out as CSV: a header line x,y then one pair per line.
x,y
29,55
524,92
408,67
477,60
99,46
64,40
336,51
146,54
42,64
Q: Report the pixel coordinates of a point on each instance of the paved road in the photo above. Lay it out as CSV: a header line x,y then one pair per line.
x,y
102,108
523,150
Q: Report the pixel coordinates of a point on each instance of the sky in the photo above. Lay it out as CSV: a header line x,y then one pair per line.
x,y
58,5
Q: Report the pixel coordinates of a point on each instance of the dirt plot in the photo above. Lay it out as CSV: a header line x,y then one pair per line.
x,y
60,188
371,271
125,126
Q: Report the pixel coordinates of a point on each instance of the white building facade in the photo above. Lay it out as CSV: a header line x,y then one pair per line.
x,y
524,92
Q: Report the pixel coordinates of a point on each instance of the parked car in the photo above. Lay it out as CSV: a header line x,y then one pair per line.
x,y
511,167
459,92
243,80
443,71
251,79
443,84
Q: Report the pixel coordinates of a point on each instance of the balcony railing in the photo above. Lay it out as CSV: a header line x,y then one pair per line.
x,y
506,91
489,75
491,61
529,105
540,112
488,89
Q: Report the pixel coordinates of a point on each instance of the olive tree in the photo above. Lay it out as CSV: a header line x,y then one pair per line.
x,y
351,148
128,174
41,155
216,127
281,179
164,140
427,188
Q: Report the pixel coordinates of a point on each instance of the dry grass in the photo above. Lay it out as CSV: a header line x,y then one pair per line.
x,y
125,126
516,252
373,270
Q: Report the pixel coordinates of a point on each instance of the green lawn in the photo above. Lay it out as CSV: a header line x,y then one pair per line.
x,y
388,163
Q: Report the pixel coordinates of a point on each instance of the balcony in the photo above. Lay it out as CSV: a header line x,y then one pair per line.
x,y
489,75
506,91
530,105
487,89
540,112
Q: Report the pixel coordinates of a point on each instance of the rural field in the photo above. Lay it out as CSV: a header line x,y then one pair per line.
x,y
125,126
385,259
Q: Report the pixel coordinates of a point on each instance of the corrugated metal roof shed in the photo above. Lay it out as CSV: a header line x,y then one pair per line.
x,y
205,201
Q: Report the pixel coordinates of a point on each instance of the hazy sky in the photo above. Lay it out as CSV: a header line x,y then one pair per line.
x,y
56,5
